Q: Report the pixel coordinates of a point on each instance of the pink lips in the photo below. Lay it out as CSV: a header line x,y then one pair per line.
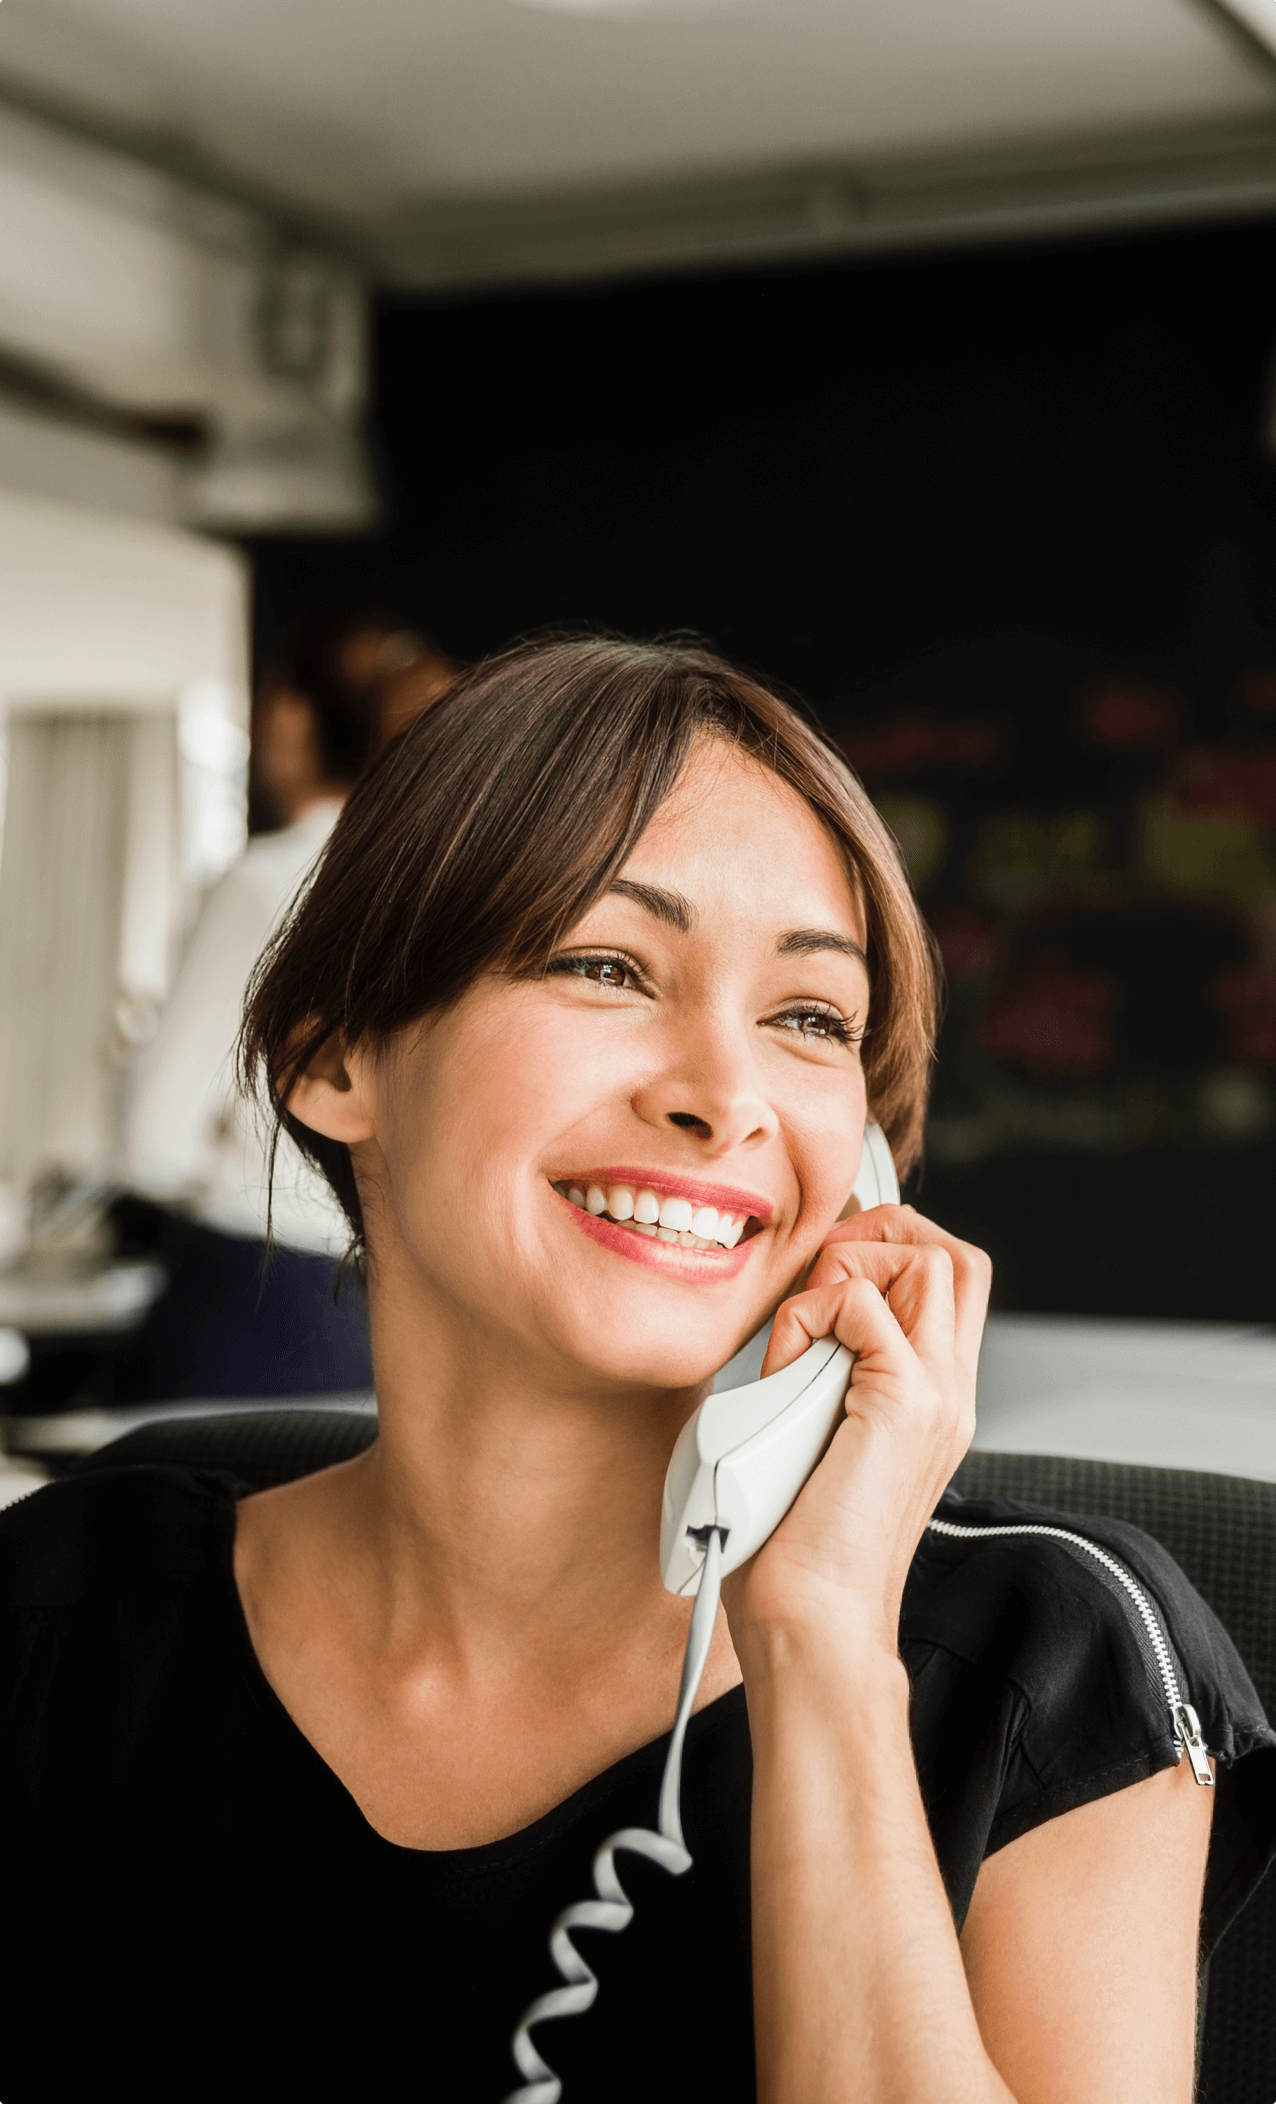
x,y
699,1265
727,1198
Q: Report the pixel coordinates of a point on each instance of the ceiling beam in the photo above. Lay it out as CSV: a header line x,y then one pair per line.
x,y
1058,190
1250,28
172,153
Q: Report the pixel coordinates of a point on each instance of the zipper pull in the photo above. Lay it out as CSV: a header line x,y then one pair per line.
x,y
1187,1730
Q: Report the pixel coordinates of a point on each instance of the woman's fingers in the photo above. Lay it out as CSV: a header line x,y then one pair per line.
x,y
900,1224
915,1279
908,1301
909,1419
852,1310
892,1305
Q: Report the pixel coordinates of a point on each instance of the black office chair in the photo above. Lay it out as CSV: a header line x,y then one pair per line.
x,y
1220,1529
261,1446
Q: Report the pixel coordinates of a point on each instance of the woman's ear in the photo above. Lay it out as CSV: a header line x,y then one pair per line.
x,y
330,1093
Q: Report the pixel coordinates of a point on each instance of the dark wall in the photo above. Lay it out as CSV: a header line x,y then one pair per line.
x,y
1007,522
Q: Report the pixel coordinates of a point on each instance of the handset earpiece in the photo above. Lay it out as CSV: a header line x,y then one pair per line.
x,y
876,1183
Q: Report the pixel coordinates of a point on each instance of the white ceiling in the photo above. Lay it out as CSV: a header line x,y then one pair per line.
x,y
361,106
373,111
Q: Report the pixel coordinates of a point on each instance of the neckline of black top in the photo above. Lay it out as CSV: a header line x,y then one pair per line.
x,y
543,1833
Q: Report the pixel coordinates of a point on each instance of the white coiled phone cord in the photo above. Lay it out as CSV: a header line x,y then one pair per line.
x,y
612,1910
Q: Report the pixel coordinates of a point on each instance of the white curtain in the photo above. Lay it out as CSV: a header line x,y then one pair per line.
x,y
62,916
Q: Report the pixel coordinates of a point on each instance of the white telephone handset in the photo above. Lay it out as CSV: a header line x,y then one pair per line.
x,y
738,1465
742,1459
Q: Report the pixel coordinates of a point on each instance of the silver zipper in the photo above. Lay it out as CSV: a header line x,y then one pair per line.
x,y
1186,1723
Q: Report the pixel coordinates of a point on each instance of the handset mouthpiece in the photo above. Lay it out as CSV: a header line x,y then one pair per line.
x,y
742,1459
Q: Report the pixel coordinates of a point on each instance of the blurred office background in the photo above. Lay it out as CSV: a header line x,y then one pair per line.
x,y
921,357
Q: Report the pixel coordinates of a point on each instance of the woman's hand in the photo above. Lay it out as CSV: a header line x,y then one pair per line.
x,y
909,1300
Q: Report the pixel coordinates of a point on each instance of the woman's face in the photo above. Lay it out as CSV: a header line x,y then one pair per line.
x,y
617,1170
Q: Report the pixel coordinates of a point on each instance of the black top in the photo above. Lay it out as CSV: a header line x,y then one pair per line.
x,y
195,1908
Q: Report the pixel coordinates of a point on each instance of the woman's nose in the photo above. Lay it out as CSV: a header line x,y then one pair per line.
x,y
711,1093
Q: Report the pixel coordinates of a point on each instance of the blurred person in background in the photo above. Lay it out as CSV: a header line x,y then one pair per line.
x,y
227,1325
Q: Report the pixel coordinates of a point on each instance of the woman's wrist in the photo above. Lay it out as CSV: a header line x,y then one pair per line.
x,y
785,1661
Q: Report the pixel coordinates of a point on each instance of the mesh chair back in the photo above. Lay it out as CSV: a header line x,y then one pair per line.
x,y
262,1447
1220,1529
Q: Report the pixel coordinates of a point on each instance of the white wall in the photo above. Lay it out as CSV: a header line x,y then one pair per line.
x,y
97,609
124,701
139,293
40,457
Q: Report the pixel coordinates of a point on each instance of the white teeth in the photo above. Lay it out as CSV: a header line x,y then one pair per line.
x,y
671,1219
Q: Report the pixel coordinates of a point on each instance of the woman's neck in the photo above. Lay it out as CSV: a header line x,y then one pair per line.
x,y
496,1506
468,1622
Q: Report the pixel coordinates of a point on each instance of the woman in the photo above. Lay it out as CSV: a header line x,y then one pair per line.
x,y
306,1775
354,678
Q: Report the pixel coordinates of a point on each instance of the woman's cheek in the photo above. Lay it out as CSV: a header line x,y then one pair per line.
x,y
827,1144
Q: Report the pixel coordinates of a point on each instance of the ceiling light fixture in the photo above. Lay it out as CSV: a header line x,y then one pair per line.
x,y
1257,16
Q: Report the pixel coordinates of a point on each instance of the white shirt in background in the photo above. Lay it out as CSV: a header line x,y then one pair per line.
x,y
189,1139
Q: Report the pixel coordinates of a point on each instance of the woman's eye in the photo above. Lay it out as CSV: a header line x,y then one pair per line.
x,y
824,1023
601,971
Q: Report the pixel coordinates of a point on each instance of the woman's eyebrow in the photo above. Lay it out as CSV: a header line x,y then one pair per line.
x,y
668,906
678,912
806,942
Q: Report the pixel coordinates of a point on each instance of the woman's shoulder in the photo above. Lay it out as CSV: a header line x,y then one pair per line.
x,y
1057,1602
86,1537
1068,1657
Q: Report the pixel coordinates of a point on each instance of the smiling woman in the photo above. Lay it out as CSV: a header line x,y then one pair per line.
x,y
606,965
473,853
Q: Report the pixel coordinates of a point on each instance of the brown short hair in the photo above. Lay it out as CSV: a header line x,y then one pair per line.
x,y
479,838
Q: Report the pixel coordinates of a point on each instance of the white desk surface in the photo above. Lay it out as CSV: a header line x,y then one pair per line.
x,y
1164,1394
54,1299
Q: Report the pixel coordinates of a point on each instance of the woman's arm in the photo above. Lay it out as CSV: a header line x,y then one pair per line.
x,y
859,1991
1079,1948
860,1988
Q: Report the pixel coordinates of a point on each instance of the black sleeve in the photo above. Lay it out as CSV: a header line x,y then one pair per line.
x,y
1036,1688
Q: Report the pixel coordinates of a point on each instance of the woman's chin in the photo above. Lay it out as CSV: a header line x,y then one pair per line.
x,y
625,1351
